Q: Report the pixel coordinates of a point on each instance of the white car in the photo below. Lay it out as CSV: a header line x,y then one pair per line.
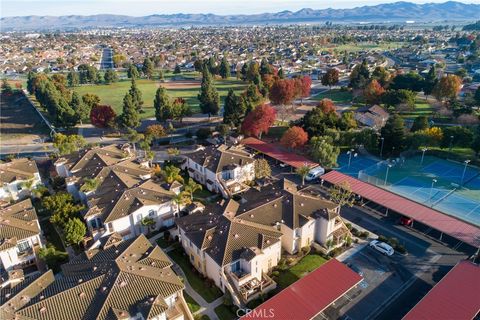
x,y
382,247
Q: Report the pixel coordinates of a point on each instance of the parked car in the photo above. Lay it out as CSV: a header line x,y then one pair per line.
x,y
315,173
405,221
382,247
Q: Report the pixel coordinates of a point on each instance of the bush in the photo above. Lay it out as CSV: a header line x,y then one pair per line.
x,y
305,250
203,133
349,226
364,234
401,249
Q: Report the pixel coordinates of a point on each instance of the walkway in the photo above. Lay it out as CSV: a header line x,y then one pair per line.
x,y
205,307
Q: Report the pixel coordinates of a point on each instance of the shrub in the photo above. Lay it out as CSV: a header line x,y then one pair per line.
x,y
203,133
349,226
364,234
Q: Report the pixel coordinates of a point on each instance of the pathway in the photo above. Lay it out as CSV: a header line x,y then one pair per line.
x,y
205,307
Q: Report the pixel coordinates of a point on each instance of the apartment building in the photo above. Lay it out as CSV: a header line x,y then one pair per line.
x,y
18,177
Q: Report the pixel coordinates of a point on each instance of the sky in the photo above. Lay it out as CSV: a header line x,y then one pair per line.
x,y
10,8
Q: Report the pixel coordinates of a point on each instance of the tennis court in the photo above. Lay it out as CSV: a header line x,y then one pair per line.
x,y
357,164
447,186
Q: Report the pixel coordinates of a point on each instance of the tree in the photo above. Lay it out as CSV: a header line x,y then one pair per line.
x,y
90,100
457,137
359,75
52,257
265,67
191,187
177,69
234,109
118,60
330,78
253,71
132,72
224,69
323,152
163,105
316,122
347,121
6,87
88,74
90,184
294,137
448,87
262,168
342,194
155,131
61,207
136,95
476,97
302,172
66,144
373,92
103,116
129,117
420,123
282,92
326,105
400,98
133,137
430,81
409,81
172,174
281,74
394,135
110,76
73,79
147,68
160,76
82,111
74,231
305,84
181,109
381,75
208,96
259,120
252,97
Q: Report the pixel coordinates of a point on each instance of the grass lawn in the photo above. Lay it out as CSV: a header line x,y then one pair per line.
x,y
197,283
309,263
367,46
422,108
192,304
225,313
202,194
113,94
276,132
336,95
163,243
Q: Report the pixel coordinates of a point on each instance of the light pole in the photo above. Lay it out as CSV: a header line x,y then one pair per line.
x,y
381,148
464,170
451,143
350,153
386,175
431,190
423,154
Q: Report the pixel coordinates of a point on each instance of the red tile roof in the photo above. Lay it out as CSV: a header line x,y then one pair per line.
x,y
456,296
310,295
458,229
276,152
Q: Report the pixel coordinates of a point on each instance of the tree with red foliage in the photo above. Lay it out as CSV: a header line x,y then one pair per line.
x,y
294,137
305,87
373,92
282,91
326,105
258,121
102,116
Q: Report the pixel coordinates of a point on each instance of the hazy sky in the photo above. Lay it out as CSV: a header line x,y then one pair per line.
x,y
146,7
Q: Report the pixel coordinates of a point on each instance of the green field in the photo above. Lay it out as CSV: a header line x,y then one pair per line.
x,y
366,46
113,94
336,95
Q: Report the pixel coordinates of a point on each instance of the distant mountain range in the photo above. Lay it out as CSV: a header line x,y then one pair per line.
x,y
392,12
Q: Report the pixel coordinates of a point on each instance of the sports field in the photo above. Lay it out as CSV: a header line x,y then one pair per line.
x,y
113,94
447,186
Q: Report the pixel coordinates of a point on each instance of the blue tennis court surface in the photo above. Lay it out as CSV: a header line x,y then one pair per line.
x,y
444,185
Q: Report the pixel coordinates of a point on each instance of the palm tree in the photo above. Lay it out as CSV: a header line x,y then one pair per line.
x,y
28,184
191,187
172,174
181,198
303,171
90,184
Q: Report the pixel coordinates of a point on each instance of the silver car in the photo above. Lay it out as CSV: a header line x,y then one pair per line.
x,y
382,247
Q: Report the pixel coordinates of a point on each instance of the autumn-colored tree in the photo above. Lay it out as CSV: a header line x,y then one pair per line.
x,y
268,80
373,92
282,92
326,105
305,85
102,116
448,87
259,120
155,131
294,137
330,78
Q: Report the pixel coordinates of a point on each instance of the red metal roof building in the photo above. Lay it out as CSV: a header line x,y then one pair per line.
x,y
310,295
451,226
275,152
456,296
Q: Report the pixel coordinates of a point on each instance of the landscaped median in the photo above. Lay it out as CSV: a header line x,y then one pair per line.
x,y
203,286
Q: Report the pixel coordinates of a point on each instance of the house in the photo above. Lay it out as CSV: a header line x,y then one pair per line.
x,y
118,192
236,243
123,279
374,117
20,236
222,169
18,177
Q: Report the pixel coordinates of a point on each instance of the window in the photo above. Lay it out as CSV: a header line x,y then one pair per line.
x,y
23,246
235,266
192,257
152,213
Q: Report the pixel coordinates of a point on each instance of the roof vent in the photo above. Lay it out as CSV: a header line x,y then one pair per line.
x,y
80,280
122,284
82,294
236,236
43,309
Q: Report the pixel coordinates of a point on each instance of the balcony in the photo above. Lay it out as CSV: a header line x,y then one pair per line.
x,y
248,287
